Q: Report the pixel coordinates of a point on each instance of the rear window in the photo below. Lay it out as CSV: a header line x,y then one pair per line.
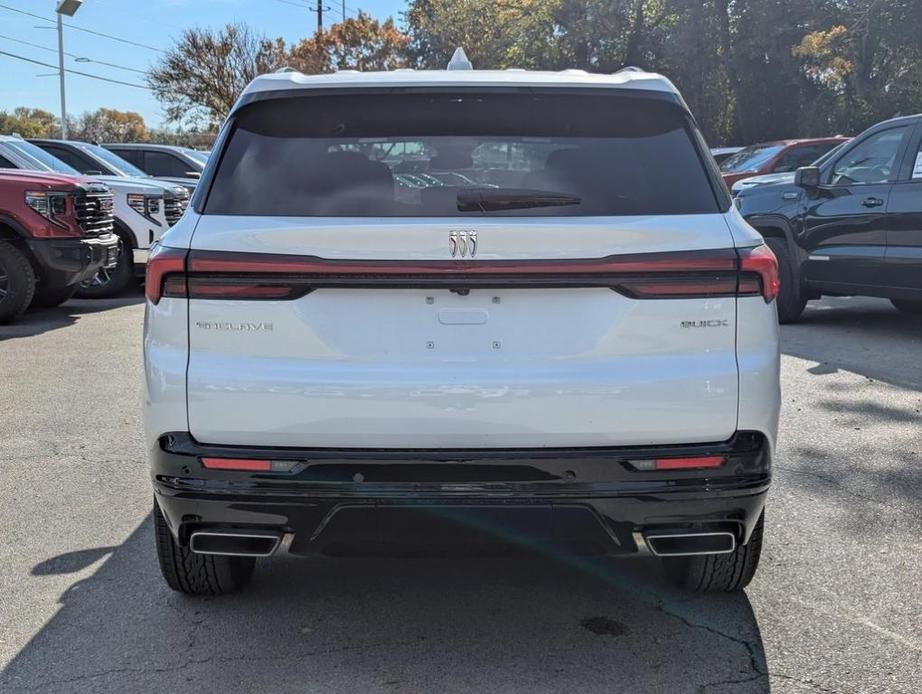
x,y
461,154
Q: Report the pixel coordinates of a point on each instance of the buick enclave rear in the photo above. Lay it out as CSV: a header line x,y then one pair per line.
x,y
419,310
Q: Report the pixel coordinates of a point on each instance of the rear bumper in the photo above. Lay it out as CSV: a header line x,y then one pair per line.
x,y
352,500
67,261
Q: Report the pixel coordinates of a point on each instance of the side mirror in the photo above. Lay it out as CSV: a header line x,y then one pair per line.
x,y
807,177
193,174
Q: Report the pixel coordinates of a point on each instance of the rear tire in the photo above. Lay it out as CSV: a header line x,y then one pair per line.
x,y
197,574
106,283
791,301
911,308
49,297
17,282
718,573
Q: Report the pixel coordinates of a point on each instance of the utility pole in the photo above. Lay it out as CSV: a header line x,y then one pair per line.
x,y
319,16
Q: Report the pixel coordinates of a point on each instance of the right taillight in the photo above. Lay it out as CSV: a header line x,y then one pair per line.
x,y
166,273
759,273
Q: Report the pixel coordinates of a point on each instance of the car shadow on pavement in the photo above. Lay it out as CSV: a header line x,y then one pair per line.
x,y
38,321
865,336
410,625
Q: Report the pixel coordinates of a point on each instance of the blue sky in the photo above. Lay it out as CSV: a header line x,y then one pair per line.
x,y
154,23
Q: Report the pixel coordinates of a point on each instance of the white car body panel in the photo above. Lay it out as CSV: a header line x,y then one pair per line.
x,y
166,353
759,362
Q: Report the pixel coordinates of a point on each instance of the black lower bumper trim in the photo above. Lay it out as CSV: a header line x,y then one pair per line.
x,y
586,497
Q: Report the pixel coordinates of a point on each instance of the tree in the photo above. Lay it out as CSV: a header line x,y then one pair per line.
x,y
109,125
29,122
357,43
495,34
867,60
200,78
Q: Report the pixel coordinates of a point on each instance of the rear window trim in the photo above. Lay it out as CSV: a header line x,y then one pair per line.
x,y
203,190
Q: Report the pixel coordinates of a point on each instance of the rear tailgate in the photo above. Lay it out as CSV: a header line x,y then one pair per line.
x,y
386,324
414,367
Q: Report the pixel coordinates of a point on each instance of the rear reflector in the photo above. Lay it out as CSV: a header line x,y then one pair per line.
x,y
251,465
689,463
699,462
237,464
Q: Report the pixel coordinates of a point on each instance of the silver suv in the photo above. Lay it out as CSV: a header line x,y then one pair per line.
x,y
460,307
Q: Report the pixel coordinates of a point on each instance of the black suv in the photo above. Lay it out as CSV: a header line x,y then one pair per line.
x,y
850,226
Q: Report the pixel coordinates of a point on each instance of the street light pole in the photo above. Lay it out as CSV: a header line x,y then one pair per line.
x,y
61,74
69,8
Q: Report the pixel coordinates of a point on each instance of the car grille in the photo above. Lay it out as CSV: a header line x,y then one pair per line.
x,y
94,212
174,206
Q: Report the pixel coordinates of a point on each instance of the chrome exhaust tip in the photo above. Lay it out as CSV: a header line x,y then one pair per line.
x,y
234,544
688,544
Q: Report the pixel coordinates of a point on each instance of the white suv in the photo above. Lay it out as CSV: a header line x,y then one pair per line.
x,y
559,332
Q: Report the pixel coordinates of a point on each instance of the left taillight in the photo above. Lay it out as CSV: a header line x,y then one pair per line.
x,y
166,273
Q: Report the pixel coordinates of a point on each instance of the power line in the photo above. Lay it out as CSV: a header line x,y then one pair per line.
x,y
313,8
88,31
73,55
75,72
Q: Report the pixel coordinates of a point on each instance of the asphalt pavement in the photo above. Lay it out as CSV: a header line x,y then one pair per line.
x,y
835,607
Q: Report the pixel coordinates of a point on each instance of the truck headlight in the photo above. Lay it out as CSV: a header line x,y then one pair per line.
x,y
145,205
48,204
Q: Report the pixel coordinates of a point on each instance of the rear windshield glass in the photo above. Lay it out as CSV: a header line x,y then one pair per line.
x,y
441,155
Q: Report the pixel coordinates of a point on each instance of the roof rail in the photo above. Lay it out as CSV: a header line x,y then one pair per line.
x,y
286,68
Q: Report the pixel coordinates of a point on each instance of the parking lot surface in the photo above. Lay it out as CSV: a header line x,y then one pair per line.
x,y
835,607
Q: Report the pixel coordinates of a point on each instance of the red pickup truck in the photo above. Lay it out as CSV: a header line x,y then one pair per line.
x,y
55,232
775,157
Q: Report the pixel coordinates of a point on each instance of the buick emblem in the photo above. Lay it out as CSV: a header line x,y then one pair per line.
x,y
462,243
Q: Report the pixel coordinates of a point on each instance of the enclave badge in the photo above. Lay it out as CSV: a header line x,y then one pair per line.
x,y
715,323
462,243
248,327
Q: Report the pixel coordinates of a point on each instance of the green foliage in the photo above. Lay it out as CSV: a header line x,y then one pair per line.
x,y
108,125
28,122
